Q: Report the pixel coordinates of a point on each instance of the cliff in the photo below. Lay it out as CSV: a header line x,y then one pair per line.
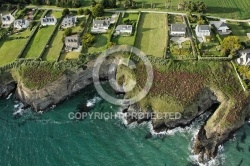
x,y
55,92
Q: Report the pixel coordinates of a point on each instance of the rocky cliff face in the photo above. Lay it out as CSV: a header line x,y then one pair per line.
x,y
6,89
57,91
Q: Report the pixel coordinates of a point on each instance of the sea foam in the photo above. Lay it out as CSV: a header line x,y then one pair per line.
x,y
92,102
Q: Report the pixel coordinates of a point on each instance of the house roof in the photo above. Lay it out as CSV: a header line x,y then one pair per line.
x,y
20,22
245,51
7,17
72,39
124,27
69,20
203,27
218,24
178,27
101,22
48,19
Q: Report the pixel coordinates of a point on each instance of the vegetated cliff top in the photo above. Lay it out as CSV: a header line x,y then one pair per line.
x,y
178,84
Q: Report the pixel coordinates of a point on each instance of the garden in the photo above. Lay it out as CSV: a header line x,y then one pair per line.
x,y
126,19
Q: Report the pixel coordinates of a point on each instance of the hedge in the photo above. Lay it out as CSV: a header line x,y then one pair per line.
x,y
136,27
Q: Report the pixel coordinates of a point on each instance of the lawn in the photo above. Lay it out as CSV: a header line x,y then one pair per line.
x,y
152,33
240,30
9,50
52,53
35,48
70,55
100,43
78,28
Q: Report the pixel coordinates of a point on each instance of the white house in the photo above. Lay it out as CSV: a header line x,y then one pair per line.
x,y
7,20
221,27
51,20
178,29
124,29
244,57
100,26
69,21
202,30
21,24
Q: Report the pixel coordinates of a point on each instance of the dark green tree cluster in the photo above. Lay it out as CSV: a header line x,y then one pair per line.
x,y
130,4
108,3
87,40
193,6
98,10
67,3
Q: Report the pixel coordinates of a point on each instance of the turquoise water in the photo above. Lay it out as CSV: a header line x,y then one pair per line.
x,y
51,138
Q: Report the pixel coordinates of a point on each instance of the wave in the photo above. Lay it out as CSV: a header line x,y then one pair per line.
x,y
92,102
18,109
218,160
9,96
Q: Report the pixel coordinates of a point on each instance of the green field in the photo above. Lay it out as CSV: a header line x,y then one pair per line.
x,y
223,8
35,48
152,33
52,53
10,49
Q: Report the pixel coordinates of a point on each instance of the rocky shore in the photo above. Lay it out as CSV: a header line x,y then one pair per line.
x,y
210,136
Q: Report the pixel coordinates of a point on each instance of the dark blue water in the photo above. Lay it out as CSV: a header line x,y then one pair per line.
x,y
51,138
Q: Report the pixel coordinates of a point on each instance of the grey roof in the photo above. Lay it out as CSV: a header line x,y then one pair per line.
x,y
178,27
247,51
69,20
124,27
204,27
19,22
102,22
72,39
218,24
48,19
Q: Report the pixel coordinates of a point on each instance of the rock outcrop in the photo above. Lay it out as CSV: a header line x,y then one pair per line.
x,y
205,102
68,84
7,88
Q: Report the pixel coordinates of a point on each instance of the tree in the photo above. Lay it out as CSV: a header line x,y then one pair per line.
x,y
87,40
98,10
231,44
112,3
105,3
93,3
9,7
87,11
81,11
68,32
47,2
65,12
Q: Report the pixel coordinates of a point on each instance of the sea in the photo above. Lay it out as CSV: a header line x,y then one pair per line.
x,y
52,137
